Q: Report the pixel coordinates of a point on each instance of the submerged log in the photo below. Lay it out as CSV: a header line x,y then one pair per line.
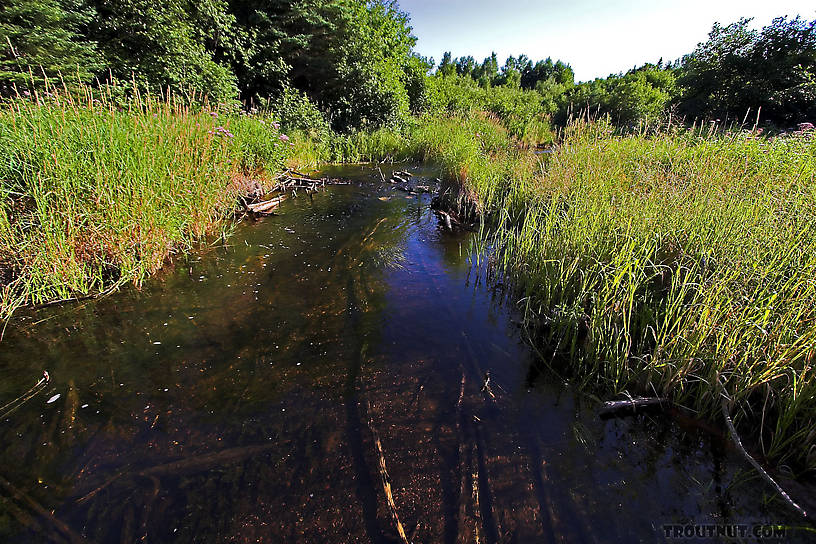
x,y
630,406
188,465
385,479
40,512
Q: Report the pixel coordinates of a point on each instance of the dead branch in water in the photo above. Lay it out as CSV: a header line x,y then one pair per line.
x,y
205,461
631,405
267,206
193,464
59,526
486,386
384,478
754,463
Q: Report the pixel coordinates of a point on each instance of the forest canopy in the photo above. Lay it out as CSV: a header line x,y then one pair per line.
x,y
353,62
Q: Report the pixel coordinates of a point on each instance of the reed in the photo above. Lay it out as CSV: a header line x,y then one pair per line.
x,y
97,192
679,264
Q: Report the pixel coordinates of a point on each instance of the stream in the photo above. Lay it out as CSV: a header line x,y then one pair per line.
x,y
319,378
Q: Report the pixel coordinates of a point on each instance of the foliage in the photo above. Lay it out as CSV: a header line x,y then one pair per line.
x,y
45,37
740,69
164,45
296,112
521,112
351,58
638,96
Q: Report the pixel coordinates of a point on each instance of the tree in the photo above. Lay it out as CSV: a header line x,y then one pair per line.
x,y
739,68
45,36
641,94
165,44
351,57
488,72
447,67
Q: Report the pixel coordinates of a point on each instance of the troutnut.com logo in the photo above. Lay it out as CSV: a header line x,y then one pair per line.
x,y
688,531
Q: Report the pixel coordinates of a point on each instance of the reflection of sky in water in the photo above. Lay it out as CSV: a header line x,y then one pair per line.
x,y
236,396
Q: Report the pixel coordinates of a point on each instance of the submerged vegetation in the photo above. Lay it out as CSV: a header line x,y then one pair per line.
x,y
651,255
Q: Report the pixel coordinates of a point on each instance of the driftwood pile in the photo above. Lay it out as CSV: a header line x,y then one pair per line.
x,y
290,180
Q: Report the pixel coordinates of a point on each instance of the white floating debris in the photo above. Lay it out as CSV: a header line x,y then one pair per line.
x,y
157,343
54,398
84,406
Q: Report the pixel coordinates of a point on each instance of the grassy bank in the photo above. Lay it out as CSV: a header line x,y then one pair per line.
x,y
679,264
96,195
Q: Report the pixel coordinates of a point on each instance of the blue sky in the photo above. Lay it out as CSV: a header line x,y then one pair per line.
x,y
596,37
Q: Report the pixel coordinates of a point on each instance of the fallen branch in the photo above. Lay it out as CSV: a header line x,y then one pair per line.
x,y
189,465
384,478
10,407
266,206
295,172
21,497
613,408
486,386
206,461
767,477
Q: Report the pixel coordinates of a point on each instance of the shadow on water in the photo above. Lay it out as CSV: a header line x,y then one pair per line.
x,y
320,379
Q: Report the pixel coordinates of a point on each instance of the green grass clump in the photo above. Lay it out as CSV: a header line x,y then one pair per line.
x,y
681,266
94,195
677,264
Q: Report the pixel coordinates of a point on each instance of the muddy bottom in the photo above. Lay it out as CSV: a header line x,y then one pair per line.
x,y
320,379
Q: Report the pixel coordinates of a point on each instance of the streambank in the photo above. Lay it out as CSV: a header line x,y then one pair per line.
x,y
257,388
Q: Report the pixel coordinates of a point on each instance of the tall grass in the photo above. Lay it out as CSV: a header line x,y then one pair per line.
x,y
678,265
95,194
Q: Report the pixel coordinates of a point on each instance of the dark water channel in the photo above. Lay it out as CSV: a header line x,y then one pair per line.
x,y
256,392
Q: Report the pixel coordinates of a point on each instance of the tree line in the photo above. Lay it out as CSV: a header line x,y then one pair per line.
x,y
352,63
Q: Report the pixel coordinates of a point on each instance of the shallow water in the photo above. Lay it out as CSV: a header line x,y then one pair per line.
x,y
260,392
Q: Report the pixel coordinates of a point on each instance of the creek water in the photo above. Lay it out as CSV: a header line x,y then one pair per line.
x,y
320,379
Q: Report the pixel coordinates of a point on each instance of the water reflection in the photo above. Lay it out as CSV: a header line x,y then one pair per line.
x,y
263,390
